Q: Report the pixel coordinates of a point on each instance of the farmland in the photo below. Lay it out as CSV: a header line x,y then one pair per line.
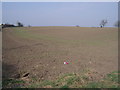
x,y
37,54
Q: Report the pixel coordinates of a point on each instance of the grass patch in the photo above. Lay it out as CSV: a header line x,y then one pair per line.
x,y
110,81
113,76
69,81
47,82
94,85
65,86
12,82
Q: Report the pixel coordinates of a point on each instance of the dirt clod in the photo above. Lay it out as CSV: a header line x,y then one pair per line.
x,y
25,74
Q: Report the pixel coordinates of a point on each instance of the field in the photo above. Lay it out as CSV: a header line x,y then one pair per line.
x,y
34,56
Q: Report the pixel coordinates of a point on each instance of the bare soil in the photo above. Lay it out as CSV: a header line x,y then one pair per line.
x,y
41,51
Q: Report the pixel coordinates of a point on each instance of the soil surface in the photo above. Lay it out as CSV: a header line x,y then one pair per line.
x,y
42,51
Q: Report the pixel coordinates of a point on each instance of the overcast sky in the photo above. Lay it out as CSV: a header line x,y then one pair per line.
x,y
84,14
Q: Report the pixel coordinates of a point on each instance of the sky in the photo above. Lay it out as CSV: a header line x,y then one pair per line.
x,y
84,14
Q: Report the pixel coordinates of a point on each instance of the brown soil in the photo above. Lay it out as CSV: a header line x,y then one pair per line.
x,y
41,51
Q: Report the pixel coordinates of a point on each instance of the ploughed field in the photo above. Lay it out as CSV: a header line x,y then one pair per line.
x,y
40,52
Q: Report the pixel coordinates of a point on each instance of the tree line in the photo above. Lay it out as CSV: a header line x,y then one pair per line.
x,y
19,24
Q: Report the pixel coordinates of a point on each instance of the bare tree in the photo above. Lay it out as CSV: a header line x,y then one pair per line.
x,y
117,24
19,24
103,23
